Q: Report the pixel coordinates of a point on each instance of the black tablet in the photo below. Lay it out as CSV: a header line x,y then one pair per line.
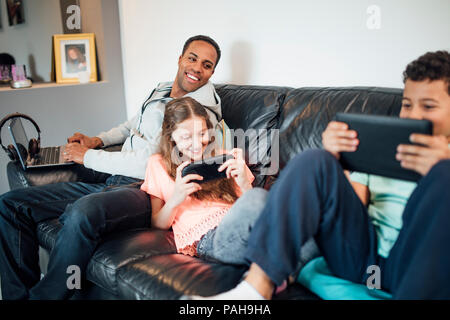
x,y
379,137
207,168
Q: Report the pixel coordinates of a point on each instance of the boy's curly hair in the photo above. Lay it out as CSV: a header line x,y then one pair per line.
x,y
430,66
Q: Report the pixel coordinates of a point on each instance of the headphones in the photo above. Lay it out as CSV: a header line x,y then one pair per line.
x,y
34,145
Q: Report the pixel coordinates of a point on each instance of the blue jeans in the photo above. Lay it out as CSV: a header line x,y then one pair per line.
x,y
313,198
228,241
88,212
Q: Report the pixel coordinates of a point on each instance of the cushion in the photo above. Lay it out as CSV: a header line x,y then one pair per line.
x,y
169,276
252,112
317,277
306,112
120,249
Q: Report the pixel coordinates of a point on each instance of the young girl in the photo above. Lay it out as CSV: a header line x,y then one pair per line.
x,y
202,215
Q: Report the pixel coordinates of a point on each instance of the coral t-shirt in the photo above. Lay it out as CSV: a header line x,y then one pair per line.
x,y
193,218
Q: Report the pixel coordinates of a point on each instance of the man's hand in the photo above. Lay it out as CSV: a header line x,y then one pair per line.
x,y
88,142
422,158
338,138
74,152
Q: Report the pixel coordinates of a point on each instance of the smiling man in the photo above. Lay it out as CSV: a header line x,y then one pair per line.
x,y
196,65
109,202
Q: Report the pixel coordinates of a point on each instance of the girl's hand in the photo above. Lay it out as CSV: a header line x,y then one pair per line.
x,y
422,158
183,186
237,169
337,138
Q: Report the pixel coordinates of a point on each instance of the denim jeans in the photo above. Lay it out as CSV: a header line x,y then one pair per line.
x,y
88,212
313,198
227,242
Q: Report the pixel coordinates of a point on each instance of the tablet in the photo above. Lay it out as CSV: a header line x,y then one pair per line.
x,y
207,168
379,137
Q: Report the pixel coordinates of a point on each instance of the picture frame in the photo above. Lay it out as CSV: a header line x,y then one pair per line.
x,y
75,58
15,12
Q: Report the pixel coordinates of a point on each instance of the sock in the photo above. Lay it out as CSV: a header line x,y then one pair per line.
x,y
243,291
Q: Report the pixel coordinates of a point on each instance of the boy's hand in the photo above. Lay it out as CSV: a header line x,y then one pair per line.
x,y
422,158
337,138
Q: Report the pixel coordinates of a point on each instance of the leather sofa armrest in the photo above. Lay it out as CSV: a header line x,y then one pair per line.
x,y
18,178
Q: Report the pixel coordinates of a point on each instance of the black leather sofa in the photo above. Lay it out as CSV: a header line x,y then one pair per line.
x,y
140,264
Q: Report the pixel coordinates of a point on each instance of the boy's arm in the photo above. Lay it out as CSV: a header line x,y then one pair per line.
x,y
361,190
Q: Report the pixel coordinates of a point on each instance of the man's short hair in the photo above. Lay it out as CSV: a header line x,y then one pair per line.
x,y
431,66
206,39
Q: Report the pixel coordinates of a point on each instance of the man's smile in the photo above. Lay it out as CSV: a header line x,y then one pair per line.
x,y
191,78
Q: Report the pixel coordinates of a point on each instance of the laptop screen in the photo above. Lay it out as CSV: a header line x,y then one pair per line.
x,y
20,139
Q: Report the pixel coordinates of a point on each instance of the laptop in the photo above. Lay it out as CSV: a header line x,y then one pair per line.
x,y
47,157
379,137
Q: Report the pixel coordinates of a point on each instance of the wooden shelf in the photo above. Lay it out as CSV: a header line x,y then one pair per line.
x,y
38,85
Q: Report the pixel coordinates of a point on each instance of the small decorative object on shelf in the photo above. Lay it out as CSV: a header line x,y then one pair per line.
x,y
74,58
5,73
19,79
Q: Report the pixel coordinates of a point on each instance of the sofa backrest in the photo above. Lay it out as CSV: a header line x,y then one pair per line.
x,y
252,111
299,116
306,112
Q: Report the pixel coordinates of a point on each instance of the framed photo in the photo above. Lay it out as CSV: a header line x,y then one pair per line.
x,y
15,12
75,58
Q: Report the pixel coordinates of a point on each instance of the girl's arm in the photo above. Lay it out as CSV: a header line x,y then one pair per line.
x,y
163,214
361,190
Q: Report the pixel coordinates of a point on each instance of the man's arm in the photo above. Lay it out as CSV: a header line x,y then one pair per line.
x,y
126,163
118,134
132,160
79,144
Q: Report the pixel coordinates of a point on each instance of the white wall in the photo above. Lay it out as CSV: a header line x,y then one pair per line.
x,y
62,110
30,43
285,42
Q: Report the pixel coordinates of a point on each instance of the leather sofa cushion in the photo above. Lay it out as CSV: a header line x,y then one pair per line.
x,y
170,276
254,107
254,110
307,111
120,249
